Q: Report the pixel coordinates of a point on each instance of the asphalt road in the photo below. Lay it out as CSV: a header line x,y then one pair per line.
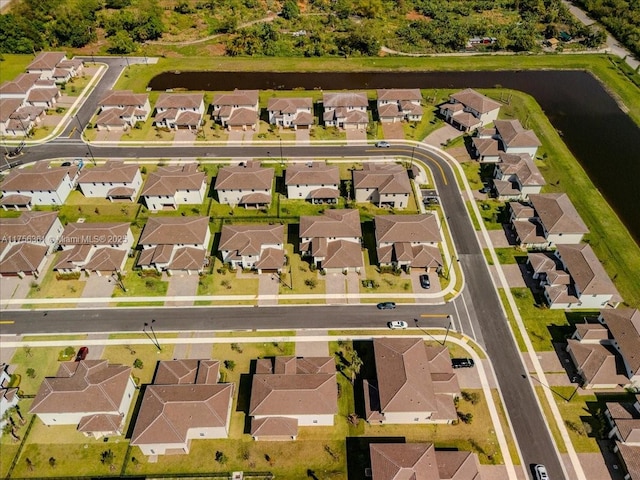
x,y
483,318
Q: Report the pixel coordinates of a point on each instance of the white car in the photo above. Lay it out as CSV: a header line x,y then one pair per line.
x,y
398,325
541,472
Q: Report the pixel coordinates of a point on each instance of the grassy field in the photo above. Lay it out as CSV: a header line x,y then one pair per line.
x,y
546,411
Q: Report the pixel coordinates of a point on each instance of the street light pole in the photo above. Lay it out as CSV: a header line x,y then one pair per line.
x,y
154,340
281,157
88,146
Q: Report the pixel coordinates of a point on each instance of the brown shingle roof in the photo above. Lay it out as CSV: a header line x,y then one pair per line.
x,y
398,94
513,134
179,100
586,270
343,254
100,422
115,98
475,100
338,223
407,228
85,386
630,455
29,227
600,364
346,99
386,177
46,61
274,427
112,171
8,106
624,324
174,231
94,234
22,257
288,105
246,177
315,173
20,85
37,179
522,166
237,97
169,180
557,213
249,239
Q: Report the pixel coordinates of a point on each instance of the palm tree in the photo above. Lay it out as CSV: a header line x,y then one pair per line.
x,y
356,365
19,413
10,429
30,465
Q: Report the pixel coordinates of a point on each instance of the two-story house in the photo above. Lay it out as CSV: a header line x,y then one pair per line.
x,y
508,136
413,384
287,392
296,113
624,420
316,182
94,247
174,185
549,219
346,110
55,66
237,110
185,402
333,240
41,184
17,119
384,184
180,110
624,325
25,242
259,247
122,109
91,394
115,180
468,110
572,277
395,105
175,244
408,241
516,176
248,185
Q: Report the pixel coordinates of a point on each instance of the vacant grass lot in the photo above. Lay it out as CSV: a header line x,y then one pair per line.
x,y
580,420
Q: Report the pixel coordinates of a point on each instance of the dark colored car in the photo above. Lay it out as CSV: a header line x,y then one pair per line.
x,y
386,306
66,164
462,362
424,281
82,353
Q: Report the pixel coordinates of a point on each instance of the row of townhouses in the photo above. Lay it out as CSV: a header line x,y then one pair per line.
x,y
25,100
412,384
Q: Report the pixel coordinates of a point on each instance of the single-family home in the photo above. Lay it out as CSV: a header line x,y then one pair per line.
x,y
17,119
333,240
548,219
395,105
237,110
624,420
408,241
174,185
25,242
296,113
629,456
468,110
288,392
20,86
185,402
508,136
45,64
624,325
33,91
67,69
115,180
572,277
41,184
175,244
180,110
8,395
122,109
91,394
347,110
413,384
247,185
316,182
259,247
384,184
516,176
421,461
94,247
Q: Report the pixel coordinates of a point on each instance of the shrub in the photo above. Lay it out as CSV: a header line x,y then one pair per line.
x,y
311,283
229,365
137,363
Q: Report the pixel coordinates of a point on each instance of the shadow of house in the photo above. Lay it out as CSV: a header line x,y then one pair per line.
x,y
358,456
369,241
293,236
136,409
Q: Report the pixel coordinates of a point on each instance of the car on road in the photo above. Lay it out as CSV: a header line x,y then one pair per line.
x,y
65,164
462,362
383,144
386,306
424,281
541,472
398,325
82,353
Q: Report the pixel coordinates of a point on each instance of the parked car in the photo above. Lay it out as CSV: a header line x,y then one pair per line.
x,y
462,362
65,164
82,353
386,306
541,472
398,325
424,281
485,190
383,144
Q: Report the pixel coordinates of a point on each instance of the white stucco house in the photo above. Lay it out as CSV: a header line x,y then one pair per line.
x,y
259,247
507,136
247,185
122,109
180,110
296,113
315,182
114,180
469,109
383,184
347,110
238,110
516,176
174,185
41,184
395,105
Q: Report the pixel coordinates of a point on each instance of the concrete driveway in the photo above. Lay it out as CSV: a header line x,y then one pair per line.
x,y
184,135
109,136
235,136
416,288
268,285
356,135
182,285
98,287
441,135
303,136
335,284
353,286
393,131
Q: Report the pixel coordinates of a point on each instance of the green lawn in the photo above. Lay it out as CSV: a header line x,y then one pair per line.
x,y
12,65
44,362
537,319
553,426
510,255
512,321
580,421
140,284
148,353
